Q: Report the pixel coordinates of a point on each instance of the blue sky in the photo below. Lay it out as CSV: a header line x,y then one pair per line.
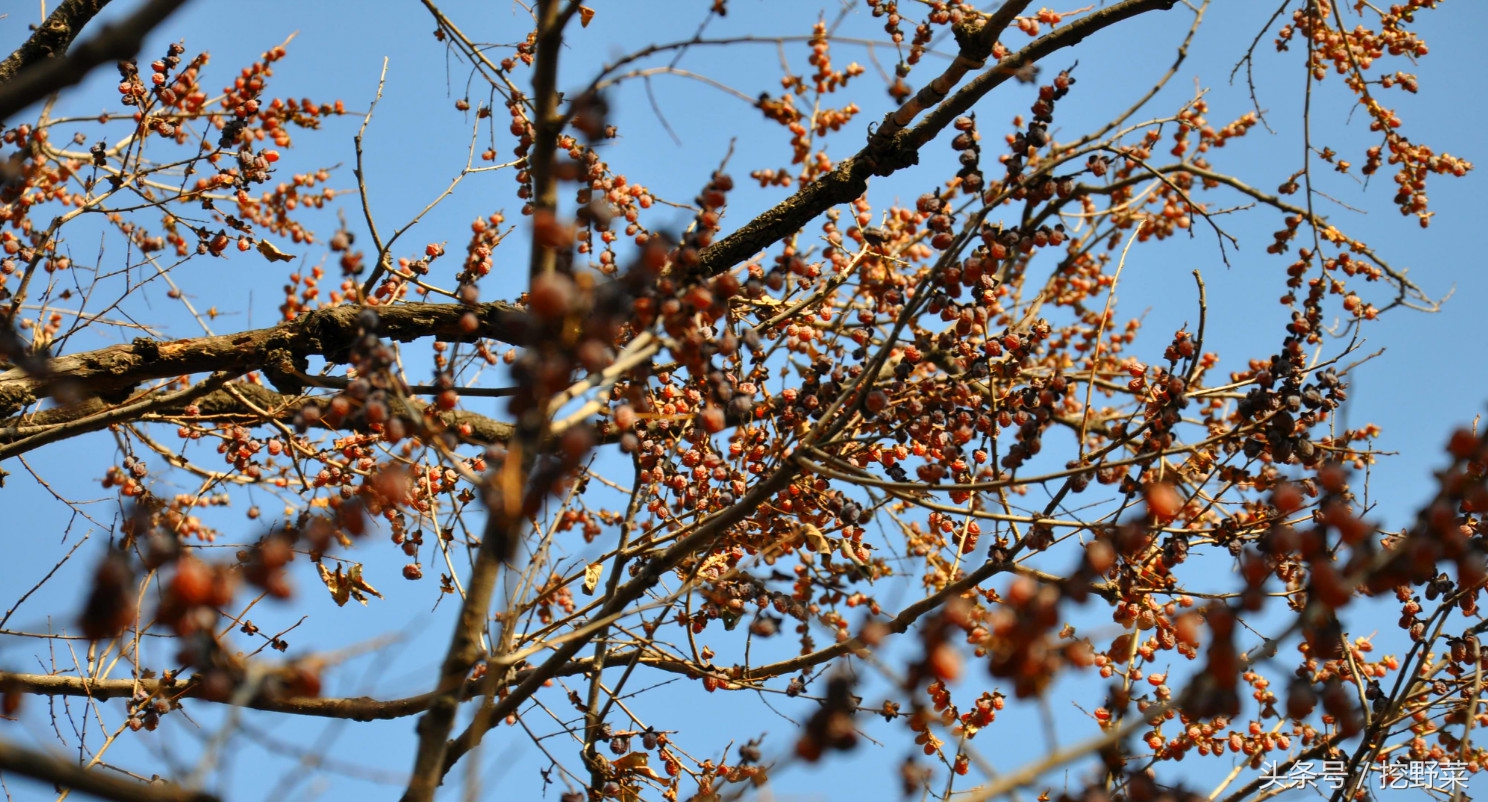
x,y
1429,380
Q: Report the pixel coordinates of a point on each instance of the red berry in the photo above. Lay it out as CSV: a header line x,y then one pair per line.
x,y
192,584
1163,501
712,419
552,295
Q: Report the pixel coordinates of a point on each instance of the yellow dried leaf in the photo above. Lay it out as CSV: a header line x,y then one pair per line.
x,y
335,583
346,586
638,763
359,585
592,573
814,539
272,253
585,14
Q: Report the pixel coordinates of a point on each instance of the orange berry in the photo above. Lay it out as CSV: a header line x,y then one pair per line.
x,y
1163,501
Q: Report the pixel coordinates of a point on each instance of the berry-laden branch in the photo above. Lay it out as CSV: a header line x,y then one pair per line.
x,y
850,177
687,546
978,40
509,495
884,404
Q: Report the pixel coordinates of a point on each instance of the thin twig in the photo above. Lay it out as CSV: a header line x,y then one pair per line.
x,y
383,258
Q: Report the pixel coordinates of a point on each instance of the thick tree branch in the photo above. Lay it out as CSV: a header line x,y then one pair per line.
x,y
361,708
119,41
546,124
113,415
67,774
356,708
327,333
226,406
53,36
976,45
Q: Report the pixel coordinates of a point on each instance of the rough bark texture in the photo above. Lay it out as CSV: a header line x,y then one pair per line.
x,y
111,372
43,76
53,37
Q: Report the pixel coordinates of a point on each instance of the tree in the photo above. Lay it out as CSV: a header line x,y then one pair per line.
x,y
841,445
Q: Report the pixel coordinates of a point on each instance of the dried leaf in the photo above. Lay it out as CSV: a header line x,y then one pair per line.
x,y
272,253
585,14
592,574
638,763
347,586
335,583
814,539
359,585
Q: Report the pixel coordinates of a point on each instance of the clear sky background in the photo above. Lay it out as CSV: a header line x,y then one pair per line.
x,y
1429,379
